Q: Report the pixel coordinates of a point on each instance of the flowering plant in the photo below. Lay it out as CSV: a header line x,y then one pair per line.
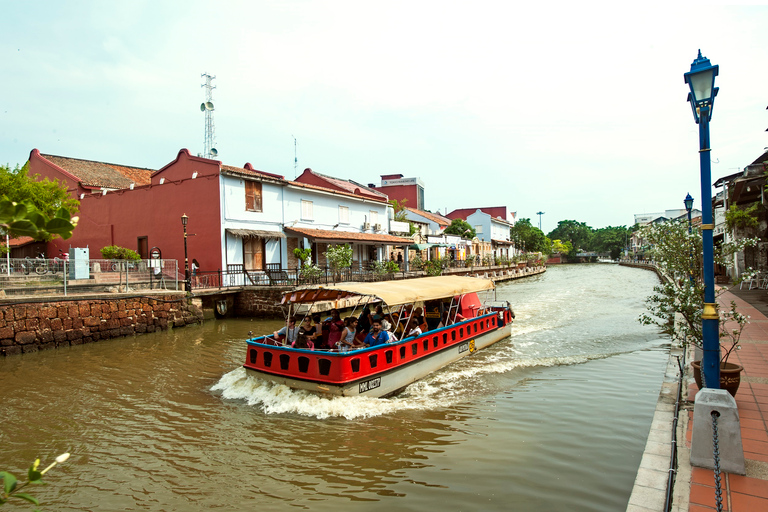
x,y
678,302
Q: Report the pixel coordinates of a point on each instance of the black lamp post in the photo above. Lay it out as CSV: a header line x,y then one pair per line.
x,y
688,201
187,284
701,80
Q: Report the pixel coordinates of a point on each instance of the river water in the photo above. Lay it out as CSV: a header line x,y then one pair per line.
x,y
553,418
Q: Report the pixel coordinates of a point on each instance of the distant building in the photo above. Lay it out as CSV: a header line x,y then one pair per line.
x,y
407,191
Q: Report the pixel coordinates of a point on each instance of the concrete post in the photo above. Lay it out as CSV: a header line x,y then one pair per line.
x,y
728,427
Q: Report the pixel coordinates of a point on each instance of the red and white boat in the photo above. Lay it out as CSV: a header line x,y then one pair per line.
x,y
384,370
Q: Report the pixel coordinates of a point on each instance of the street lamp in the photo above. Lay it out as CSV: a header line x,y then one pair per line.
x,y
187,284
701,80
688,201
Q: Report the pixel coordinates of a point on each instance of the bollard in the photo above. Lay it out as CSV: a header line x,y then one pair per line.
x,y
729,432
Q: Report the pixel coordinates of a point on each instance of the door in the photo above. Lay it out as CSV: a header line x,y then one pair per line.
x,y
253,253
143,247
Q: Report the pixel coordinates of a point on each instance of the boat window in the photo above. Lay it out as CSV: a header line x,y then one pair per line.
x,y
425,343
414,348
453,335
373,359
461,332
355,365
434,342
388,355
475,327
325,366
285,360
303,364
445,338
402,352
267,359
252,354
493,321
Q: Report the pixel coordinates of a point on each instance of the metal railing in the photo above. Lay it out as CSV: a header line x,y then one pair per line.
x,y
35,276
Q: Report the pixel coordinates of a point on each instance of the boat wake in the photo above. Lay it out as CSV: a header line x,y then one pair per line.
x,y
444,388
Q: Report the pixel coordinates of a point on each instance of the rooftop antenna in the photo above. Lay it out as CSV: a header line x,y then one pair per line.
x,y
295,159
540,214
210,150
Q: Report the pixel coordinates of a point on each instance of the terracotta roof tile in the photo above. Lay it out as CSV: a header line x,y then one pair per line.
x,y
248,169
347,236
351,186
101,174
17,242
434,217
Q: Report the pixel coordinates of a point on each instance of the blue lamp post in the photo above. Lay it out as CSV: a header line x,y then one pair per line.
x,y
701,80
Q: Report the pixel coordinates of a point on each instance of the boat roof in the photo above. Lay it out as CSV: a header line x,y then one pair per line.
x,y
393,293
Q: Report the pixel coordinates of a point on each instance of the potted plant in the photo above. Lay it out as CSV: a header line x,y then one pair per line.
x,y
730,373
678,301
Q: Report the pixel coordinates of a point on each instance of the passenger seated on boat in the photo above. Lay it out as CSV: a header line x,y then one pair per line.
x,y
311,331
377,336
379,314
387,327
347,340
333,326
444,320
418,315
413,328
302,341
289,332
364,322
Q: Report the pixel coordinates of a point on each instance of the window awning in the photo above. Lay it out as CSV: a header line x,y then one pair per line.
x,y
255,233
503,242
331,236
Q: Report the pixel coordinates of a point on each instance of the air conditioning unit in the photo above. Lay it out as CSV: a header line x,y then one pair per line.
x,y
367,225
377,227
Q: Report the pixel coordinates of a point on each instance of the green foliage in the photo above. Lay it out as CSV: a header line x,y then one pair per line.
x,y
399,207
461,228
528,237
385,267
303,255
434,267
610,239
678,255
310,273
737,218
25,219
470,261
46,196
115,252
578,233
11,487
339,256
417,263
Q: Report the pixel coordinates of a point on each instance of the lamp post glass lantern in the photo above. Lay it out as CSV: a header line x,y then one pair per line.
x,y
701,81
187,285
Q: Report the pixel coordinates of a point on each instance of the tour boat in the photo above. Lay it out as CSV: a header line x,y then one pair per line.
x,y
384,370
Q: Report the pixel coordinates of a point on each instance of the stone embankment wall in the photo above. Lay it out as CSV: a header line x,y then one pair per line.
x,y
261,303
33,326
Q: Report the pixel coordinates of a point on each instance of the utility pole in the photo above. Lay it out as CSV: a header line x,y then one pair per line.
x,y
540,214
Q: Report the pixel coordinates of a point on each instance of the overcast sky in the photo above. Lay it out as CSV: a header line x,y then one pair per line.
x,y
577,110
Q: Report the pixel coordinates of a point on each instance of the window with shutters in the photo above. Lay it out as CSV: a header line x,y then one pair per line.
x,y
343,214
306,210
253,196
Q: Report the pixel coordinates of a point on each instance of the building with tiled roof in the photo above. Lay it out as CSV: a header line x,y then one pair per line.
x,y
315,178
238,217
83,176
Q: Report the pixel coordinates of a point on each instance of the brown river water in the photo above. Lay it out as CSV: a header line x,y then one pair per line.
x,y
553,418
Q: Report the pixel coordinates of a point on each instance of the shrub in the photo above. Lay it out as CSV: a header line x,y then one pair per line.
x,y
115,252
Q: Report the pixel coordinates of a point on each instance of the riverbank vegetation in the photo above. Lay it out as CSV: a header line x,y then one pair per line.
x,y
570,238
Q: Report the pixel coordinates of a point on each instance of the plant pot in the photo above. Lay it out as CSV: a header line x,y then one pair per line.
x,y
730,376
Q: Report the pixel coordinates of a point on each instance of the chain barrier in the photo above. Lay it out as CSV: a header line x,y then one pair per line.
x,y
716,455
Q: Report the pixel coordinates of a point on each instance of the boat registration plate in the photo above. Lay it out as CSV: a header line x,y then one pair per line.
x,y
467,345
370,384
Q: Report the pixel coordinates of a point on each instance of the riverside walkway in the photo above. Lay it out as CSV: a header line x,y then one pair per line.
x,y
695,487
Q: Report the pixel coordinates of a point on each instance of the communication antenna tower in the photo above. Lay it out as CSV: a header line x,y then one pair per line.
x,y
295,159
210,150
540,214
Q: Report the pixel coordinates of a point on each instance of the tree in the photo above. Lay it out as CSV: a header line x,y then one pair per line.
x,y
461,228
39,209
45,195
578,233
399,207
610,239
525,235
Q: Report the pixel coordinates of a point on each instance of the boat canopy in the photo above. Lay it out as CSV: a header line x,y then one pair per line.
x,y
393,293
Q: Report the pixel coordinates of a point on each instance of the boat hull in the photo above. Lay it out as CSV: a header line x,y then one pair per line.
x,y
392,381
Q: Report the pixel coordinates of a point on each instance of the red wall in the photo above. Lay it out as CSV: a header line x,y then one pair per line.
x,y
154,211
402,192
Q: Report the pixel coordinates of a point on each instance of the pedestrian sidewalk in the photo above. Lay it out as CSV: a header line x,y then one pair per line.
x,y
740,493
